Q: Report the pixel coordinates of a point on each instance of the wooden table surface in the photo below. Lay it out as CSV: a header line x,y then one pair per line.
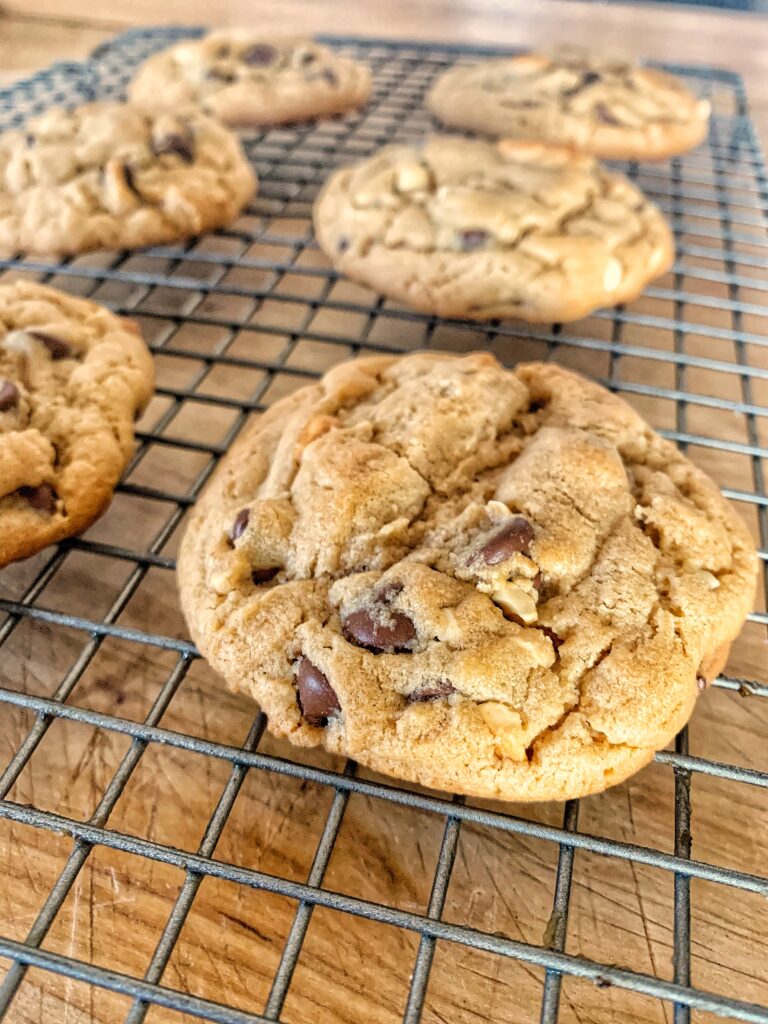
x,y
352,971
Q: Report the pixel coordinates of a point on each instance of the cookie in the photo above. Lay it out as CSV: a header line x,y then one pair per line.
x,y
73,378
607,107
250,80
472,229
107,175
493,582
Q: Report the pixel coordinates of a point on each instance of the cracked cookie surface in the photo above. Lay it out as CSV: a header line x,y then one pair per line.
x,y
475,230
251,80
493,582
73,377
612,108
106,175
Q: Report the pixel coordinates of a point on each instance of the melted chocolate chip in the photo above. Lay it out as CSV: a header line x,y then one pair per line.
x,y
238,526
41,498
432,691
260,55
603,114
219,75
130,180
9,396
388,591
513,537
57,348
265,575
360,628
179,144
473,239
557,641
317,698
587,79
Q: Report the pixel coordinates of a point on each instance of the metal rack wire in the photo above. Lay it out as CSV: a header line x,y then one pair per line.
x,y
719,195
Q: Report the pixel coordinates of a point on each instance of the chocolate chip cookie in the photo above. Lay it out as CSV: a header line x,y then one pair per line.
x,y
73,377
610,107
245,79
472,229
107,175
488,581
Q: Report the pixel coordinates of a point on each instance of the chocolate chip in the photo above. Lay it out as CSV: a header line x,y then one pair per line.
x,y
237,529
179,144
388,591
360,628
538,582
330,77
473,239
587,79
557,641
514,536
260,55
432,691
219,75
9,396
603,114
130,180
265,575
41,498
317,698
57,348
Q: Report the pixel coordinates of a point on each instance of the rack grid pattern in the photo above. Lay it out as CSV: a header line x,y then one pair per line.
x,y
716,198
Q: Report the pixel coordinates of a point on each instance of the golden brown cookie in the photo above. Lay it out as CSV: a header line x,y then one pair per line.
x,y
476,230
108,176
610,107
73,377
488,581
247,79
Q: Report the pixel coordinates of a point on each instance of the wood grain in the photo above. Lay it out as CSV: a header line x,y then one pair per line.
x,y
352,970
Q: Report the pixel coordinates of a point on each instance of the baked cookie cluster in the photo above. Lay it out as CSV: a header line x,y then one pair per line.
x,y
495,582
530,227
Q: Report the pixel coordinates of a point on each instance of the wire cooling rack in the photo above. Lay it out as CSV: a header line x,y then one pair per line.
x,y
237,319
